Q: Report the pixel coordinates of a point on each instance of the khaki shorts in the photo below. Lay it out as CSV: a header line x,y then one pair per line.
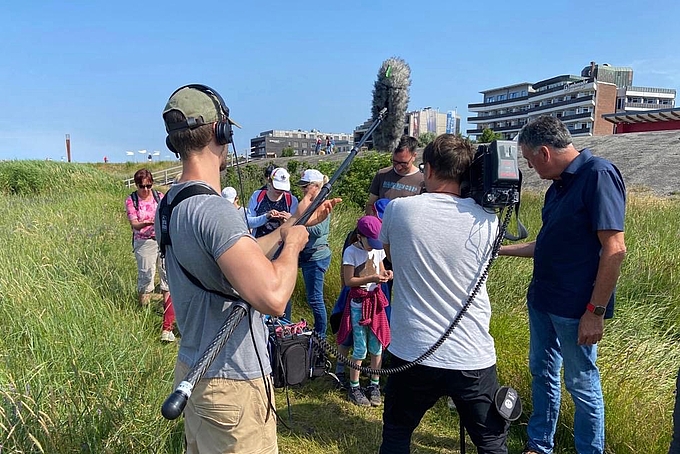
x,y
228,416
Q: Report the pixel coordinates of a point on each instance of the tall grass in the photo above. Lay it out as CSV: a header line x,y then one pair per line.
x,y
82,370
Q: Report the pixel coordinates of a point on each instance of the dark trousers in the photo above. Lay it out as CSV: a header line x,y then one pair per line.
x,y
409,394
675,443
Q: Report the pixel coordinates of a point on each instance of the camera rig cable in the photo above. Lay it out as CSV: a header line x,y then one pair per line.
x,y
321,343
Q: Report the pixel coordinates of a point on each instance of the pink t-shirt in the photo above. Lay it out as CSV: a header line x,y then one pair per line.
x,y
146,212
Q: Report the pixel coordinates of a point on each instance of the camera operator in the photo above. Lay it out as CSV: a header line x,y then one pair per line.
x,y
228,409
577,259
439,244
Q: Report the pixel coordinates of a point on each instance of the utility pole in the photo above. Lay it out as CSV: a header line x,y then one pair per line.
x,y
68,147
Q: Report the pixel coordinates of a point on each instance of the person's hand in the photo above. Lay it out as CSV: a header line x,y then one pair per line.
x,y
590,329
320,213
295,235
385,276
283,215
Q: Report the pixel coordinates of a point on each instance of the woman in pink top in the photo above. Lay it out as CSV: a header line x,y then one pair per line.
x,y
141,212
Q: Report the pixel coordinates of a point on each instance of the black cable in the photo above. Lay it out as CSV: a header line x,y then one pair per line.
x,y
322,344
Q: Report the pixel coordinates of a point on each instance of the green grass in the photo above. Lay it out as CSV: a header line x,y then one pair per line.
x,y
82,369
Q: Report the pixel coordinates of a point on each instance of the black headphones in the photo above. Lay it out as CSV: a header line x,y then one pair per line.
x,y
223,130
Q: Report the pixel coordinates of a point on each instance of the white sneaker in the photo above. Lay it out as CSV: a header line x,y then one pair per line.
x,y
167,336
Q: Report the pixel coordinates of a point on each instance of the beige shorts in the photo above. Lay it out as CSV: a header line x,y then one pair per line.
x,y
228,416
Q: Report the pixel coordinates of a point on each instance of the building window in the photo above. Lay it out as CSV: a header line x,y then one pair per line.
x,y
501,97
490,99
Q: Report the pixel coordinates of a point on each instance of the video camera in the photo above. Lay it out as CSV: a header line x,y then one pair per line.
x,y
494,179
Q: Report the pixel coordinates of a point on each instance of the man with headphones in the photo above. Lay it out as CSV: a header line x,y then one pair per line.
x,y
229,408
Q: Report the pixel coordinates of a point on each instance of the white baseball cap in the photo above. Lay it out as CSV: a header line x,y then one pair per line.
x,y
280,179
310,176
229,193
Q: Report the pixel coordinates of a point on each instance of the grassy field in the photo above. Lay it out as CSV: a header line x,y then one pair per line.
x,y
82,369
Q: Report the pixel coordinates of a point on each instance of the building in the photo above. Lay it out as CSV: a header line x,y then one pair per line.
x,y
270,144
579,101
431,120
416,123
645,121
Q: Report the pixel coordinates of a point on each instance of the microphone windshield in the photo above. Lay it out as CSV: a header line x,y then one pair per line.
x,y
391,91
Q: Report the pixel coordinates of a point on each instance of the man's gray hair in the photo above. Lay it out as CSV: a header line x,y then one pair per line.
x,y
545,130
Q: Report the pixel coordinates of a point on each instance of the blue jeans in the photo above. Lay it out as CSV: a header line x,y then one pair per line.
x,y
675,442
313,273
553,343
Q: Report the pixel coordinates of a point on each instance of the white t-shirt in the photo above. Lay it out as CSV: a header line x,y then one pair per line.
x,y
439,247
365,263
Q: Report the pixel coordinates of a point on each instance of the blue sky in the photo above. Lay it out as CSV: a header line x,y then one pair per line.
x,y
102,71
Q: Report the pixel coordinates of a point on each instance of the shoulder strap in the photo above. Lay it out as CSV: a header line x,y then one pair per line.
x,y
156,197
135,200
289,199
260,197
165,212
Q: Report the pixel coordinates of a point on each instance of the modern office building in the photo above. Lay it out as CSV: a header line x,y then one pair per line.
x,y
579,101
271,143
431,120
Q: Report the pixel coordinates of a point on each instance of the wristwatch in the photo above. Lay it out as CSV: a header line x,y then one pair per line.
x,y
597,310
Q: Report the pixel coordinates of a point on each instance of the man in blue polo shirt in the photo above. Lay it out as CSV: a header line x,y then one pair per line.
x,y
577,259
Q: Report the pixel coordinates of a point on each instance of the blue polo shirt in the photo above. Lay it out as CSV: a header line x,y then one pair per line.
x,y
590,196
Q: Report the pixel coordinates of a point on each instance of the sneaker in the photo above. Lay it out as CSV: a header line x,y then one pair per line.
x,y
373,395
167,336
451,404
357,397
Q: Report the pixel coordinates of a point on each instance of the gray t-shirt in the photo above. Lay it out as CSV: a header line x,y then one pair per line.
x,y
439,246
202,228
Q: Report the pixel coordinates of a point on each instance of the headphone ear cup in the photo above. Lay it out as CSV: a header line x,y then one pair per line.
x,y
223,132
171,147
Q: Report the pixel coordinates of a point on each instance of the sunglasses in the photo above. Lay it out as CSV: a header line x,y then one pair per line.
x,y
144,186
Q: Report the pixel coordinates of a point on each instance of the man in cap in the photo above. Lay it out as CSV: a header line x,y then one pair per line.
x,y
229,408
435,268
271,207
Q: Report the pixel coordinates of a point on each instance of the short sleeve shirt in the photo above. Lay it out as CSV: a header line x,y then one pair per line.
x,y
388,184
365,263
589,197
146,212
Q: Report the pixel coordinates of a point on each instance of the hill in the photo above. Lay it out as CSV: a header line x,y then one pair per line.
x,y
645,160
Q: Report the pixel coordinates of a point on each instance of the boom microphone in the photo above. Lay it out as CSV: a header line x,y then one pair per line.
x,y
391,91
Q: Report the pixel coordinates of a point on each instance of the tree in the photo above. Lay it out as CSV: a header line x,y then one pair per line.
x,y
287,152
489,136
425,138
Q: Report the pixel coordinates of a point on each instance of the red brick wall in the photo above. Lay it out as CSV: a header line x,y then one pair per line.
x,y
605,103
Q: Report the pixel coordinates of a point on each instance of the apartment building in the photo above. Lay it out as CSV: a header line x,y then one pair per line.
x,y
579,101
